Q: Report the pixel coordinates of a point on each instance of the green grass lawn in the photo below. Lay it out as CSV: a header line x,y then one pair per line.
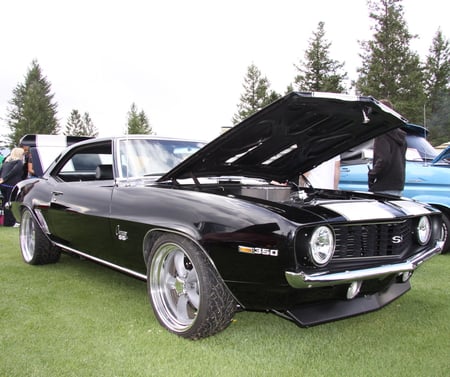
x,y
76,318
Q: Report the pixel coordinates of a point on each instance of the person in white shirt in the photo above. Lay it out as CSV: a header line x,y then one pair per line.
x,y
326,175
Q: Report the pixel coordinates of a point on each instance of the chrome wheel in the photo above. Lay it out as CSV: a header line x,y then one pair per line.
x,y
35,246
27,237
187,295
174,287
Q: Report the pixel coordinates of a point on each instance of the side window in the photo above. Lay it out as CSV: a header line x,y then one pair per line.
x,y
85,163
82,162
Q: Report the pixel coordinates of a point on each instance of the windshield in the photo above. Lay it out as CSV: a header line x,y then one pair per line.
x,y
149,157
419,149
443,157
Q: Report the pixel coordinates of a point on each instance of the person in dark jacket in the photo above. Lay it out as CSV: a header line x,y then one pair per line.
x,y
11,174
388,173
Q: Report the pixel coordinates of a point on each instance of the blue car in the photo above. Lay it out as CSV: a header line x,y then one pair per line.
x,y
427,173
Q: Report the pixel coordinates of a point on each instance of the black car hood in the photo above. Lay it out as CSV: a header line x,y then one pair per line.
x,y
289,137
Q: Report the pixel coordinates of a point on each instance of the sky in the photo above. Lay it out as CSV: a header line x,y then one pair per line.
x,y
182,62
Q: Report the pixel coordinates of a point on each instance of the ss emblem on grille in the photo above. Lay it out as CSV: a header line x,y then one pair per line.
x,y
397,239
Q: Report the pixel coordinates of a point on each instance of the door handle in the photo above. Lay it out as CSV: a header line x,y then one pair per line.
x,y
55,194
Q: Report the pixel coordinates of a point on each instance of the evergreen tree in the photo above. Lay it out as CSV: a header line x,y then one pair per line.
x,y
138,122
318,72
437,89
80,126
89,128
389,68
32,110
74,126
289,88
257,94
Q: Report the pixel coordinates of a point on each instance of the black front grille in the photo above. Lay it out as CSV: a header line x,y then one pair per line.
x,y
372,240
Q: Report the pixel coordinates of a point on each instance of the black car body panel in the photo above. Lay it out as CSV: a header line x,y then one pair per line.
x,y
298,252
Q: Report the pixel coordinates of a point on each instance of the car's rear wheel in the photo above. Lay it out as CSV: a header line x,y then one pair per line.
x,y
34,245
187,296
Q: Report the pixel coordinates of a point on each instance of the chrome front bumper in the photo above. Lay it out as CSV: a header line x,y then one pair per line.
x,y
323,279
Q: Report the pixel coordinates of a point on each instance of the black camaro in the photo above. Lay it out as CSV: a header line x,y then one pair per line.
x,y
224,226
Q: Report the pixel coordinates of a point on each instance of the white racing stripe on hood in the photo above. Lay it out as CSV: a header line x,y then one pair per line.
x,y
411,208
357,211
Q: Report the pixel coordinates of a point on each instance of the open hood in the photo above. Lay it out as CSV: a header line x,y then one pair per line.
x,y
289,137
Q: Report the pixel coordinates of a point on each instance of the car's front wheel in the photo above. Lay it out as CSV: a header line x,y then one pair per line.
x,y
34,245
444,235
187,296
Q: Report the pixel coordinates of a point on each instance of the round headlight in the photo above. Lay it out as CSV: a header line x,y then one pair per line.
x,y
321,246
423,230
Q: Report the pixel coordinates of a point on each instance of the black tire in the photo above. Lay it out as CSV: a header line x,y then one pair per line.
x,y
445,236
187,296
36,248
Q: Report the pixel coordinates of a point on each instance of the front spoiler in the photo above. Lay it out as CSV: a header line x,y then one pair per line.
x,y
323,279
323,312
